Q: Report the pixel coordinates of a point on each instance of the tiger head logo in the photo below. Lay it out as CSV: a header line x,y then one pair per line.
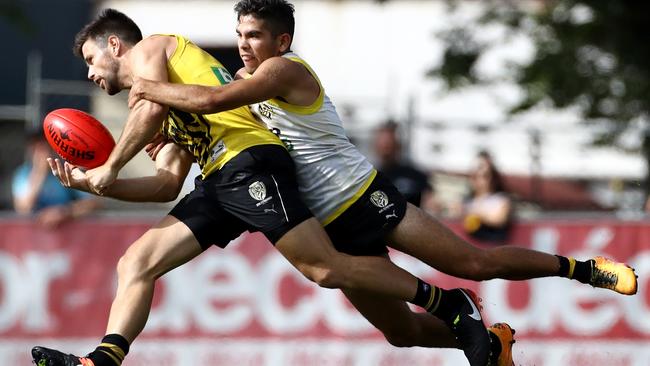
x,y
257,190
379,199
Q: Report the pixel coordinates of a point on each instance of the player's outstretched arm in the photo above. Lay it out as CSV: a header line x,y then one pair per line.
x,y
149,60
172,166
173,163
275,77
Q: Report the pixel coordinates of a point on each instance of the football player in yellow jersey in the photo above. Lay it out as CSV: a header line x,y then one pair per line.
x,y
248,182
280,87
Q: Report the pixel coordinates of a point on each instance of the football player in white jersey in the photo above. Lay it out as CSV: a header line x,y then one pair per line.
x,y
361,211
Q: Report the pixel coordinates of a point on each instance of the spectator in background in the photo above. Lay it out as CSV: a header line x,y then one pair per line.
x,y
36,191
411,182
487,213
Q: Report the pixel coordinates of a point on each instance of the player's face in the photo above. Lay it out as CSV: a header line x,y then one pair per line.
x,y
102,67
256,42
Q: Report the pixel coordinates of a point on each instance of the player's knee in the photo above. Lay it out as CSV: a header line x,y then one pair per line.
x,y
411,331
134,265
478,267
323,276
398,339
125,268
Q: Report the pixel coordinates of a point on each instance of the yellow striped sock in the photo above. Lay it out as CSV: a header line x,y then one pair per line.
x,y
116,350
113,351
572,267
436,295
117,361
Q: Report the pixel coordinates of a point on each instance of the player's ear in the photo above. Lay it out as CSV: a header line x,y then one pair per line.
x,y
285,42
113,43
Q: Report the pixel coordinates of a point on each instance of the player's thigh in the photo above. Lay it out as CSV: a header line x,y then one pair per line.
x,y
422,236
307,244
167,245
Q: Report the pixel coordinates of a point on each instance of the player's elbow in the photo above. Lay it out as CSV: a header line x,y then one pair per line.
x,y
164,197
170,192
158,110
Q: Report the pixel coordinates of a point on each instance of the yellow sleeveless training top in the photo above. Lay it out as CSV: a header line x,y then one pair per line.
x,y
216,138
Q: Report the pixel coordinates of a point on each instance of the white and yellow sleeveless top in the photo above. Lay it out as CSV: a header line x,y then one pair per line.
x,y
332,174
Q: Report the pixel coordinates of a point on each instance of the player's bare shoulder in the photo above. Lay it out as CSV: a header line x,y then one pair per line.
x,y
149,58
154,45
298,85
285,67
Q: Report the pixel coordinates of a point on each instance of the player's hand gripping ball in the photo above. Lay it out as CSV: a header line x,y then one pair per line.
x,y
78,137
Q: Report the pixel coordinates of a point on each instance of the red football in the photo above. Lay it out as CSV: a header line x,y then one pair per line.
x,y
78,137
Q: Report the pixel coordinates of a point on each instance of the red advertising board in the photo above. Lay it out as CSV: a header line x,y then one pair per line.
x,y
246,305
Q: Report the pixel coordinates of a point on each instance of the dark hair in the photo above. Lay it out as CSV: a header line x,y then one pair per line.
x,y
278,14
389,125
109,22
496,183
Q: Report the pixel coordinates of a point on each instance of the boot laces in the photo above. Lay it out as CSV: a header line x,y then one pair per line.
x,y
602,278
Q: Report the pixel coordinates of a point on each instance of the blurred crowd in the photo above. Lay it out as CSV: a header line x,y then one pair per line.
x,y
483,202
38,194
486,209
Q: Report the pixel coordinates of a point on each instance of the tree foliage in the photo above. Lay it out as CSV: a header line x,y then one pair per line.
x,y
14,15
592,55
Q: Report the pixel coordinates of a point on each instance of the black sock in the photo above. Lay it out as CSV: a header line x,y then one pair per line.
x,y
565,266
437,301
448,304
425,295
573,269
582,272
111,351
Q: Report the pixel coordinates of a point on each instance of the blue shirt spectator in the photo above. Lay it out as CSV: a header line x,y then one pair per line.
x,y
36,191
51,194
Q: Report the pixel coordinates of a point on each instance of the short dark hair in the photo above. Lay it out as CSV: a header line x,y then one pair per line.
x,y
109,22
277,13
389,125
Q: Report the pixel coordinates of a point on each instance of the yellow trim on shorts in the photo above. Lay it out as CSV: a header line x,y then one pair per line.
x,y
352,199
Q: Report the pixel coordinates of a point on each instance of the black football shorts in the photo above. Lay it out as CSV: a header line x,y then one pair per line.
x,y
362,228
255,191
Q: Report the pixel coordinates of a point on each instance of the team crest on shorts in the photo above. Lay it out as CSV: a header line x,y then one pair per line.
x,y
379,199
257,190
